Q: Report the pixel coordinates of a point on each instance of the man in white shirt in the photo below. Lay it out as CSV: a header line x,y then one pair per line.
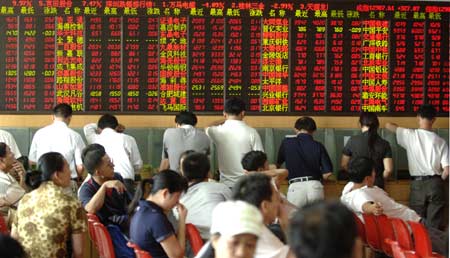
x,y
202,196
58,137
233,139
362,196
7,138
257,189
182,138
120,147
428,162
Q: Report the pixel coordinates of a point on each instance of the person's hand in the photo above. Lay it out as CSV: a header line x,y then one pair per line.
x,y
116,184
120,128
18,167
182,211
444,175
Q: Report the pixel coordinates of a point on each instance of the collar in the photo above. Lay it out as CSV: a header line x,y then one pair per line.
x,y
304,136
108,131
59,123
233,121
150,205
186,126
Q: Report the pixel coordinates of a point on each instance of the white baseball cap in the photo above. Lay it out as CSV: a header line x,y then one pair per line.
x,y
232,218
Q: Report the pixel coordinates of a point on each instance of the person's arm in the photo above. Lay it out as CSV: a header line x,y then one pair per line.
x,y
174,246
388,164
257,143
280,157
325,163
391,127
164,164
90,132
13,193
97,201
344,162
135,155
445,173
278,174
372,208
77,245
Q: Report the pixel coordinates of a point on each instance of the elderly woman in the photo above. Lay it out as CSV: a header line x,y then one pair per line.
x,y
46,217
10,190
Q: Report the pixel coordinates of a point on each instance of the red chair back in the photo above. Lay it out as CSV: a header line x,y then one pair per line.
x,y
104,243
372,234
402,234
93,217
142,254
422,240
3,226
194,238
386,232
361,229
397,251
92,230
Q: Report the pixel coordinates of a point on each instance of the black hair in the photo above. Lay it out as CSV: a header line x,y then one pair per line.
x,y
92,157
370,120
107,121
322,230
167,178
63,110
427,111
47,165
3,149
33,179
196,166
253,160
306,123
234,106
253,189
360,168
186,118
11,248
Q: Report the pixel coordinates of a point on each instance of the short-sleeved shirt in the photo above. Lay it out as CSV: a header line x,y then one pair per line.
x,y
149,227
358,145
7,138
427,152
58,137
10,192
178,140
200,200
233,139
304,157
114,209
46,218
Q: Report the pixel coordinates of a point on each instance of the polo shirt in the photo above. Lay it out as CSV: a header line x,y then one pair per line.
x,y
358,145
114,209
304,157
427,152
178,140
149,227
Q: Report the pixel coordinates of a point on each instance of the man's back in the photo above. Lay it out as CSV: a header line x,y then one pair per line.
x,y
178,140
233,140
58,137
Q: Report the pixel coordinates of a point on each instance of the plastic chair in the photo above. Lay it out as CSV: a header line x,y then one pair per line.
x,y
402,234
92,216
3,226
91,230
138,251
422,242
398,252
386,231
372,234
104,243
361,229
194,238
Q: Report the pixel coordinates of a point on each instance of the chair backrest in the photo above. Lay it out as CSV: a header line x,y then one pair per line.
x,y
372,234
361,229
194,238
142,254
3,226
386,232
402,234
104,242
92,230
422,242
397,251
93,217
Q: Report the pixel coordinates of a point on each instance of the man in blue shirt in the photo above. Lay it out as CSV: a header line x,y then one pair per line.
x,y
307,161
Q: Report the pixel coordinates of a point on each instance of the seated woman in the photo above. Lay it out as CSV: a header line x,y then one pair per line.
x,y
10,190
46,217
149,228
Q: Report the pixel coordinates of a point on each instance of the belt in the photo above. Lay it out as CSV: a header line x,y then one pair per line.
x,y
423,178
301,179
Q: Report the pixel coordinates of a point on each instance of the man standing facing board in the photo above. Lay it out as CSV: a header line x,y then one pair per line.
x,y
233,139
428,164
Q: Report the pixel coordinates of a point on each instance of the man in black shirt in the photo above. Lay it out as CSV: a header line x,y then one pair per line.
x,y
307,161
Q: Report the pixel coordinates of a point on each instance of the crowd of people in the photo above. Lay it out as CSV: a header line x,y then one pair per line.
x,y
244,214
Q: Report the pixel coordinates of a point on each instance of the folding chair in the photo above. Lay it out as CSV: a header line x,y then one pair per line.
x,y
422,242
194,238
386,232
372,234
104,242
402,234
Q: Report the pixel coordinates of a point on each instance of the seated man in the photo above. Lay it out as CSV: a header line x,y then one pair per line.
x,y
202,196
323,230
257,189
104,194
256,161
361,196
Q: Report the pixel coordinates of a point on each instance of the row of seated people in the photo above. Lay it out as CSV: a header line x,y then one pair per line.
x,y
46,215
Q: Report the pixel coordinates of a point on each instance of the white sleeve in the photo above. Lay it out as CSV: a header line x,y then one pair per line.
x,y
210,132
359,200
32,155
79,146
135,156
90,132
444,156
257,143
13,192
403,136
